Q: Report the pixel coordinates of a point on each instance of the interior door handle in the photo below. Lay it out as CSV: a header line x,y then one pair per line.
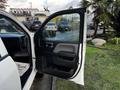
x,y
66,54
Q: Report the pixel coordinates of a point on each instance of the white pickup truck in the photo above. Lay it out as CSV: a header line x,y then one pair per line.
x,y
23,54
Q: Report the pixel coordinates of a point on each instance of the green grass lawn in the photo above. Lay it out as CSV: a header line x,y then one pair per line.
x,y
102,70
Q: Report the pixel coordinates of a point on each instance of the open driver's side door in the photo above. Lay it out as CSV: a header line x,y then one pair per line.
x,y
60,45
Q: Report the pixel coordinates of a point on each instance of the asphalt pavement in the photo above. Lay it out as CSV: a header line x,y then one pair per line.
x,y
45,83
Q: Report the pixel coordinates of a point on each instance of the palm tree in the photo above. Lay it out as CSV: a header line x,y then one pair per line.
x,y
115,17
100,11
85,3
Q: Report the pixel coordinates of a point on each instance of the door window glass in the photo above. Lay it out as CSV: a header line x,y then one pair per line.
x,y
64,28
7,26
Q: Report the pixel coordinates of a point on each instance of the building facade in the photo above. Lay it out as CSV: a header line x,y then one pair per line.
x,y
23,13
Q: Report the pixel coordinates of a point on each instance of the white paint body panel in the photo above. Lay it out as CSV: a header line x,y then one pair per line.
x,y
29,82
3,50
33,73
9,76
79,79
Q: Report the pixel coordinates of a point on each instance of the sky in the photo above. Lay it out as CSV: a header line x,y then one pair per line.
x,y
53,5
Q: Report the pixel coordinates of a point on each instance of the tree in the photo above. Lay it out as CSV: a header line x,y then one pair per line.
x,y
46,8
3,4
104,11
85,3
115,17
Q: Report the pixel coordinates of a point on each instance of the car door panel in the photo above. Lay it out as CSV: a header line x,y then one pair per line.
x,y
66,47
16,45
6,82
59,55
17,41
8,69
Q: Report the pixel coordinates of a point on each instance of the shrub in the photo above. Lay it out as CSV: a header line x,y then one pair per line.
x,y
111,34
115,40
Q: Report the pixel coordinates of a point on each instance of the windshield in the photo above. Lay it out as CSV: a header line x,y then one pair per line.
x,y
36,22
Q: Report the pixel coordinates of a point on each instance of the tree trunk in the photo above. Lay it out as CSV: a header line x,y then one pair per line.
x,y
96,28
104,32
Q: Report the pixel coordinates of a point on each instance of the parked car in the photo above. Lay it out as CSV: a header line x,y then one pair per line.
x,y
27,23
23,54
35,25
51,27
64,26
